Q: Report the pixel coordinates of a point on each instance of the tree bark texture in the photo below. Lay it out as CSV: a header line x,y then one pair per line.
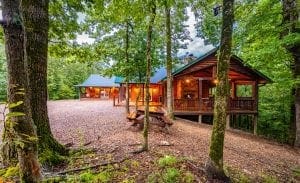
x,y
214,165
23,129
169,62
148,73
290,21
36,26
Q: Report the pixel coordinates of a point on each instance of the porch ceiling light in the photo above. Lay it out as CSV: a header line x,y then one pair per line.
x,y
187,81
215,81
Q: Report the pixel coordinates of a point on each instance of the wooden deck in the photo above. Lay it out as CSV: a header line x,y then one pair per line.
x,y
205,106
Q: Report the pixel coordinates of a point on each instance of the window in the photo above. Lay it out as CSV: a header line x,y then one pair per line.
x,y
244,90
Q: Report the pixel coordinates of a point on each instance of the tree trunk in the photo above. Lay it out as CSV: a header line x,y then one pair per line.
x,y
36,25
20,128
290,19
127,63
13,35
148,73
169,62
214,165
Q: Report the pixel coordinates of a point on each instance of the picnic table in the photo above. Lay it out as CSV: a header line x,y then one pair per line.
x,y
157,115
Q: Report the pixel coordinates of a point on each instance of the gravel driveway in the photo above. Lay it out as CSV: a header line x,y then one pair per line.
x,y
104,127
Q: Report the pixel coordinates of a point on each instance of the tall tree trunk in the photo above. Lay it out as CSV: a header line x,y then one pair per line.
x,y
169,62
13,35
127,62
290,19
23,129
36,26
214,165
148,73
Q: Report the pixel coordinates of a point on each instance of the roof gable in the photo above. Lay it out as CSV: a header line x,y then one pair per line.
x,y
209,60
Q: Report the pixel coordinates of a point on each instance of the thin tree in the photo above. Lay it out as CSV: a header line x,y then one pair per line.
x,y
290,22
152,4
127,63
169,60
21,126
214,164
36,25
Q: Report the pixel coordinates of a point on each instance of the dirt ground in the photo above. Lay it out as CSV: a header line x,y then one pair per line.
x,y
99,125
106,129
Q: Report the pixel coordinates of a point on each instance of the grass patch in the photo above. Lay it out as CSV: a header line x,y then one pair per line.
x,y
236,175
268,179
296,172
167,161
170,170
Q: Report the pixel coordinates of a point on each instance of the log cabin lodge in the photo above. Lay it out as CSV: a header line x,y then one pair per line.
x,y
98,87
194,88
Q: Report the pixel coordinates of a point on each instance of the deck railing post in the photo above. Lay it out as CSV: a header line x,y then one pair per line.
x,y
200,93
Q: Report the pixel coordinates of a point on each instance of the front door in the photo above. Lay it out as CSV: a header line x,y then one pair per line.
x,y
104,94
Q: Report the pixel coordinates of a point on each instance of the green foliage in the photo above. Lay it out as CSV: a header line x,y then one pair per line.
x,y
50,158
171,175
167,161
236,175
86,177
269,179
3,74
63,75
170,170
10,172
296,172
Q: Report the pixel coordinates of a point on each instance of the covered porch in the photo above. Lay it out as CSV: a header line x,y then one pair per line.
x,y
196,96
194,93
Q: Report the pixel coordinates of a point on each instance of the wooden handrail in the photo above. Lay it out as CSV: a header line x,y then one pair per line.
x,y
207,104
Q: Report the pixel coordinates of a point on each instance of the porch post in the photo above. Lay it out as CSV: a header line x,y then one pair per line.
x,y
200,118
228,121
233,87
255,116
200,88
255,124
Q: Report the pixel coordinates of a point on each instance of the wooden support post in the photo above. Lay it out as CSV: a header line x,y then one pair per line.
x,y
255,117
200,118
233,90
200,93
114,102
228,121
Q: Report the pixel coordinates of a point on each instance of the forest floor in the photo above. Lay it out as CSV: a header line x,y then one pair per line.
x,y
102,128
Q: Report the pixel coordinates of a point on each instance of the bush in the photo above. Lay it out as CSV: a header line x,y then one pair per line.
x,y
167,161
171,175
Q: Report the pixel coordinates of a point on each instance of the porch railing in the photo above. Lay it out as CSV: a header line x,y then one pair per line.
x,y
207,104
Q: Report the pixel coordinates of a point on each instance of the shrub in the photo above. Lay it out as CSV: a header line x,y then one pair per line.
x,y
167,161
171,175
